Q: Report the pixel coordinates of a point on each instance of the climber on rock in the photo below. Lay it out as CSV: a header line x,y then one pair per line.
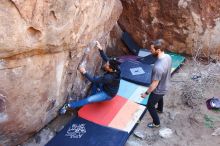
x,y
104,87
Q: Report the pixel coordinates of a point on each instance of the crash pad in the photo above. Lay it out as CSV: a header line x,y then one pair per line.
x,y
130,43
132,92
150,59
136,72
177,60
136,95
144,52
103,112
126,88
125,116
81,132
124,58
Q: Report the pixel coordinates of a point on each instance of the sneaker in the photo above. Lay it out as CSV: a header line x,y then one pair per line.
x,y
160,112
152,125
64,109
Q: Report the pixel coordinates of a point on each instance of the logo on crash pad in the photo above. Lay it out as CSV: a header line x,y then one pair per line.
x,y
76,131
137,71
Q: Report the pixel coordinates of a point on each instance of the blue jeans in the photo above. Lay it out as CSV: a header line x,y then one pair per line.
x,y
96,88
96,96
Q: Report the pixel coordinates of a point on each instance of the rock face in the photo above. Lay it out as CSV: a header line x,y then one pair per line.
x,y
190,26
42,42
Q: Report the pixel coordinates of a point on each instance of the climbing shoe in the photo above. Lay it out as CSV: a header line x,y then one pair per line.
x,y
64,109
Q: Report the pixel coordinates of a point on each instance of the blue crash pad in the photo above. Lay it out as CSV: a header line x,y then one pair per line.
x,y
132,92
136,95
126,88
80,132
129,42
144,52
133,46
150,59
136,72
122,59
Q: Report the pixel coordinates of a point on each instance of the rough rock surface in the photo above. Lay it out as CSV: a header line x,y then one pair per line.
x,y
41,44
190,26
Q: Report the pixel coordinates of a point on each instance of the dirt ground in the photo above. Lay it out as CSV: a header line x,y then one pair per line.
x,y
185,112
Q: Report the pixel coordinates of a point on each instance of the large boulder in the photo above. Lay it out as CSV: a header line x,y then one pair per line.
x,y
190,26
42,42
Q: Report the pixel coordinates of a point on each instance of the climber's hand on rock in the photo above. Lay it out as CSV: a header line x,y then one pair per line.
x,y
82,70
98,45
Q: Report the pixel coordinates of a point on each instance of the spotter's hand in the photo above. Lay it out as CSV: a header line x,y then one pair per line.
x,y
143,95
